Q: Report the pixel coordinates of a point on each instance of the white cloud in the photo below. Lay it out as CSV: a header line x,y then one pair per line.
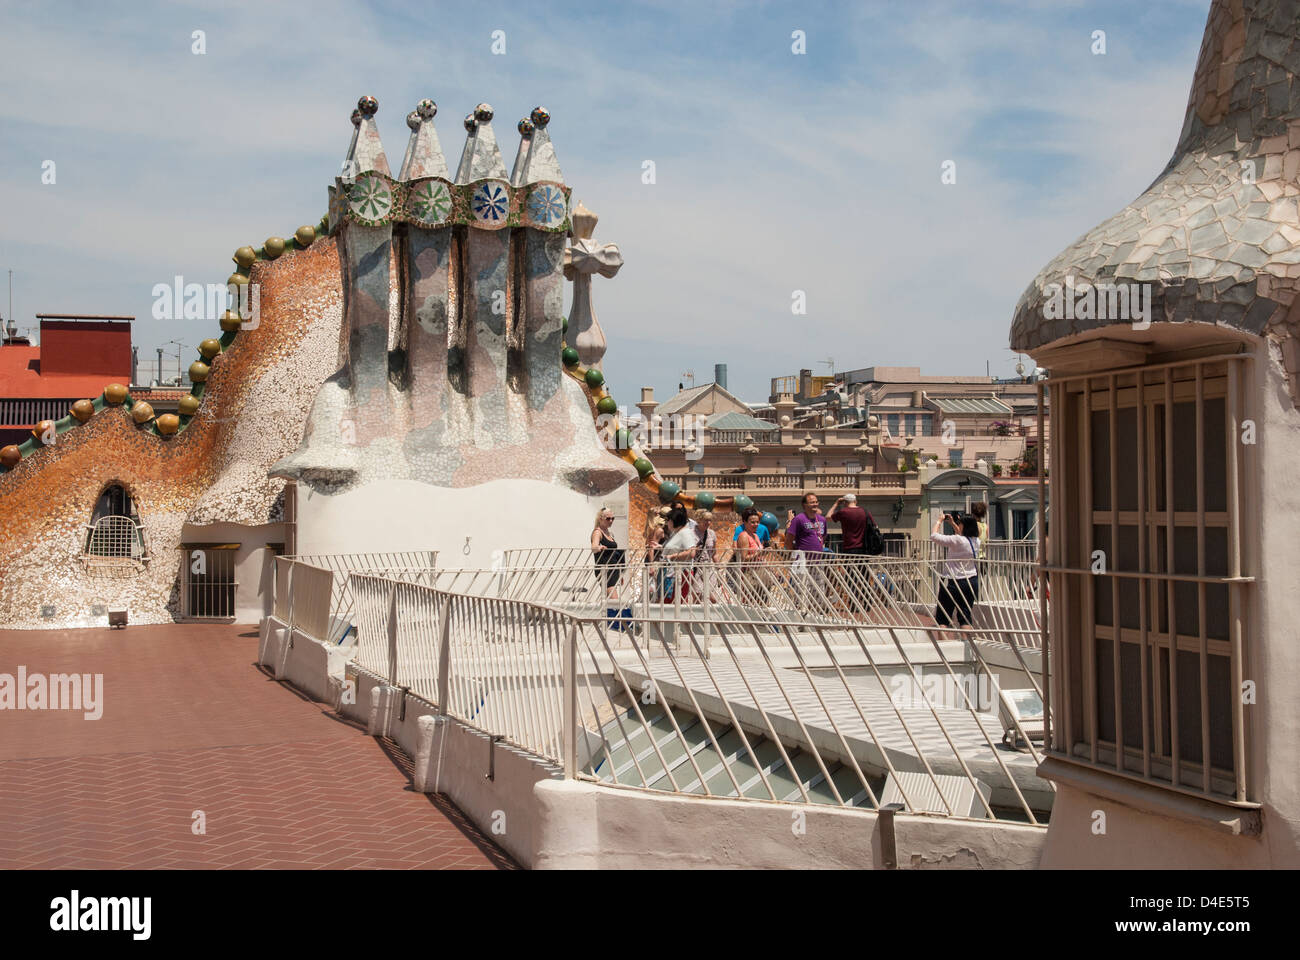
x,y
770,178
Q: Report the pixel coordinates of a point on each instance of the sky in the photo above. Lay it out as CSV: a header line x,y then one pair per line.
x,y
775,171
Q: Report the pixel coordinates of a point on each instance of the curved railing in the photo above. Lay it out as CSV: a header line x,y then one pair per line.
x,y
678,705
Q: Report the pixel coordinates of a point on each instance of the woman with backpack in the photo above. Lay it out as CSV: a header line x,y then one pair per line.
x,y
680,548
960,588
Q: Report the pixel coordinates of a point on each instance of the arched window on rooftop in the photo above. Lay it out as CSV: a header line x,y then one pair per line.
x,y
114,529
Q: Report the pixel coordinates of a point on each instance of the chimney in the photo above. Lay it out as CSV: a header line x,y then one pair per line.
x,y
135,364
647,404
158,379
720,375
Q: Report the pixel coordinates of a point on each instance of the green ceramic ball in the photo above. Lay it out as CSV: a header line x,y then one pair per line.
x,y
704,500
594,378
607,405
668,491
643,466
623,439
743,502
569,356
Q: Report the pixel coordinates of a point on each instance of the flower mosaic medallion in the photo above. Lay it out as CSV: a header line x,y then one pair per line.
x,y
430,202
547,205
371,199
490,203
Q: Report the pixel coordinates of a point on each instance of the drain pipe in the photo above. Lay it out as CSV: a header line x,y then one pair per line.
x,y
888,840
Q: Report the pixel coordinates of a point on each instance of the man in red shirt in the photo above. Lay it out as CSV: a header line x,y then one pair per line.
x,y
853,523
853,533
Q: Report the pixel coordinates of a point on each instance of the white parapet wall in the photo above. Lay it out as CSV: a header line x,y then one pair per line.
x,y
465,525
592,826
546,822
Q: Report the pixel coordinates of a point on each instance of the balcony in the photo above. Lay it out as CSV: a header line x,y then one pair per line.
x,y
768,484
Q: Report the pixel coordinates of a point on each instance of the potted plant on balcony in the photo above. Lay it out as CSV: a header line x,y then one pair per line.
x,y
997,469
1015,469
1001,428
1029,463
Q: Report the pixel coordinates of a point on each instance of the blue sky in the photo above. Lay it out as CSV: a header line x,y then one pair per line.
x,y
775,172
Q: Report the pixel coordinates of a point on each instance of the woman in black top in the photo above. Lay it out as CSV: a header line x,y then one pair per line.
x,y
609,558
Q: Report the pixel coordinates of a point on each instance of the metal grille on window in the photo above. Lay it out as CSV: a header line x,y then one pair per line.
x,y
114,530
209,578
1152,576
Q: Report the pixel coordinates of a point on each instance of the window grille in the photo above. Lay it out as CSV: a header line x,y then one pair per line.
x,y
208,575
1153,582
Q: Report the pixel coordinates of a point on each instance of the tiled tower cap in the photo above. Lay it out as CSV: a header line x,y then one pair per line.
x,y
536,158
481,157
1216,236
423,152
367,151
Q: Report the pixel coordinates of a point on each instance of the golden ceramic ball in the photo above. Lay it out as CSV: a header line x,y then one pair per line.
x,y
245,257
114,394
189,405
168,424
238,279
305,236
273,247
230,321
41,429
142,412
9,456
83,410
209,348
199,371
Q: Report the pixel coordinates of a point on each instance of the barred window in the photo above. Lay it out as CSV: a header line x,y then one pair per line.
x,y
114,529
1150,584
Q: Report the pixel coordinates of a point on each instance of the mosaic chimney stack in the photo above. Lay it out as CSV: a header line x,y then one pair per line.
x,y
450,370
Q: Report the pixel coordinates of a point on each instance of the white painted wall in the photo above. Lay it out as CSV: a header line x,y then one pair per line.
x,y
586,826
254,563
396,515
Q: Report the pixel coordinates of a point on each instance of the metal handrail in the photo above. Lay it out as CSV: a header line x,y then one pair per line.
x,y
684,705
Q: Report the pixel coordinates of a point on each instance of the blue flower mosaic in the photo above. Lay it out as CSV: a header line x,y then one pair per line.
x,y
547,205
490,203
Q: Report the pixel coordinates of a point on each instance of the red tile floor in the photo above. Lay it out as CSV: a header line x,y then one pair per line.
x,y
191,723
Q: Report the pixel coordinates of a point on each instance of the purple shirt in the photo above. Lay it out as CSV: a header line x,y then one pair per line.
x,y
808,535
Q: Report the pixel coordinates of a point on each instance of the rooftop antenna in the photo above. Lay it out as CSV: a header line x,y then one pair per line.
x,y
178,345
830,362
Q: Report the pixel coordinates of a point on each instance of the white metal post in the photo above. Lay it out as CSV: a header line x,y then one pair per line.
x,y
570,718
444,656
292,566
392,634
